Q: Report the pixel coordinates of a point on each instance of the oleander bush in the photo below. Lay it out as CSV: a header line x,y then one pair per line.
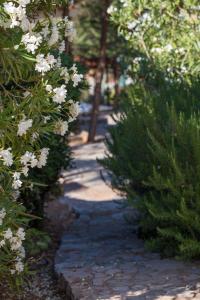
x,y
153,151
45,179
39,89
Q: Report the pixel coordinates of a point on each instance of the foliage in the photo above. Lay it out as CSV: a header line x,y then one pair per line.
x,y
170,43
88,22
59,157
39,86
154,148
36,241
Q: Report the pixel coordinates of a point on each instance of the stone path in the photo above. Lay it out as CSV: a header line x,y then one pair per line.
x,y
100,256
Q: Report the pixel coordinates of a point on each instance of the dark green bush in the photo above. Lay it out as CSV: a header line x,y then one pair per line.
x,y
154,158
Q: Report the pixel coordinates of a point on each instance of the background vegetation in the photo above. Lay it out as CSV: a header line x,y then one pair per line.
x,y
153,153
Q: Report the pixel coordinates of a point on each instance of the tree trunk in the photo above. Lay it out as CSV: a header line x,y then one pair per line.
x,y
117,90
99,72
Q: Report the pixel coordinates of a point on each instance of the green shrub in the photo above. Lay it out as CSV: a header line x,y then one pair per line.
x,y
153,158
154,149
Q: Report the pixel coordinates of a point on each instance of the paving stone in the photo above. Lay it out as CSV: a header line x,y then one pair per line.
x,y
100,256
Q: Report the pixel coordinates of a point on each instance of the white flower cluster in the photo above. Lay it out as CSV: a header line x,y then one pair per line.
x,y
44,64
17,12
59,94
7,157
73,110
61,127
24,125
31,41
65,74
17,183
29,160
76,78
42,160
15,243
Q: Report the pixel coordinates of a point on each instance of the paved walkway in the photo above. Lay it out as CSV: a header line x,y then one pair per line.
x,y
100,256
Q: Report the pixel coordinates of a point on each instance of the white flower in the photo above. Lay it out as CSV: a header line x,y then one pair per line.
x,y
7,157
60,94
23,126
65,73
25,170
62,47
26,94
111,9
58,63
43,64
132,25
34,136
49,88
17,14
34,161
19,266
29,158
157,50
23,3
168,47
74,68
9,8
2,243
51,60
15,243
42,160
61,127
73,110
31,41
76,78
45,31
21,233
2,215
8,234
54,36
15,195
21,252
17,183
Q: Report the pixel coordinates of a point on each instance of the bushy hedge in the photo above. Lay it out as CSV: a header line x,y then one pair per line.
x,y
154,150
39,86
154,158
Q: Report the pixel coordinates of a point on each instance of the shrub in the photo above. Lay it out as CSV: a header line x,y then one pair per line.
x,y
43,179
154,148
39,87
154,159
